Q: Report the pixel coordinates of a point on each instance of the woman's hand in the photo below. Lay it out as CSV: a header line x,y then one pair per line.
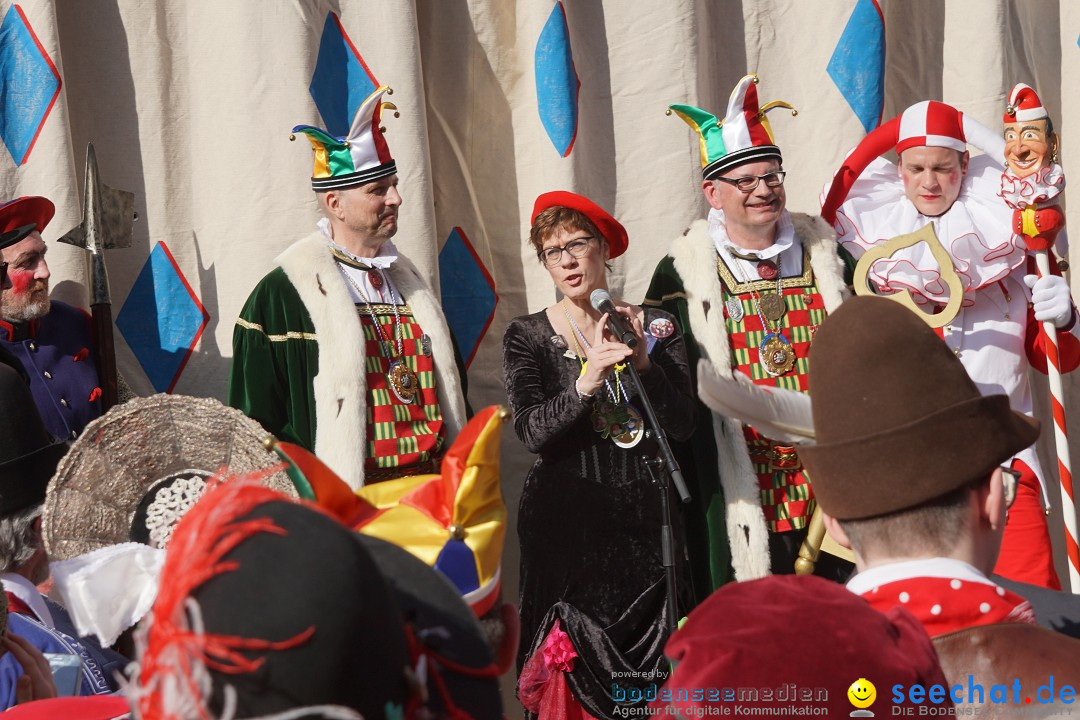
x,y
602,357
641,350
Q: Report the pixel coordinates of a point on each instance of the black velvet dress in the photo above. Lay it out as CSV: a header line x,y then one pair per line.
x,y
589,519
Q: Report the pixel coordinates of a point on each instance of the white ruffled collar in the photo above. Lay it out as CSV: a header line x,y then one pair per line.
x,y
388,253
1036,189
785,236
975,231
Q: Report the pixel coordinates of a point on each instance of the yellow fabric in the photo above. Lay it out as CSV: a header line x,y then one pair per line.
x,y
1027,215
477,507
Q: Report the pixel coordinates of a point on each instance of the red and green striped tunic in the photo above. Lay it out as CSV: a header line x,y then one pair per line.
x,y
399,435
786,496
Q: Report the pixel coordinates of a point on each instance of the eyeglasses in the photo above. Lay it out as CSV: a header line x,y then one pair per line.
x,y
748,183
1009,480
578,248
3,273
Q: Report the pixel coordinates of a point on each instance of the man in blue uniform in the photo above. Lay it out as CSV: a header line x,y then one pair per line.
x,y
51,340
28,458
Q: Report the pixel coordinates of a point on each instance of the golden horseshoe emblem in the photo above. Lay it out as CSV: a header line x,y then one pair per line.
x,y
948,274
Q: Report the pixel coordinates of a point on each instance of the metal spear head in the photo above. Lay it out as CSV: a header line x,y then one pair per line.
x,y
108,214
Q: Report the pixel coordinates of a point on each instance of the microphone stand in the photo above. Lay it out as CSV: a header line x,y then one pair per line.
x,y
668,469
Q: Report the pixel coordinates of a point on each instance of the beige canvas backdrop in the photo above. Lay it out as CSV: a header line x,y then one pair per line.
x,y
189,104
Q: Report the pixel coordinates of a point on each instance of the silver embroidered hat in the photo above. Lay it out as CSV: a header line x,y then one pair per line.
x,y
136,470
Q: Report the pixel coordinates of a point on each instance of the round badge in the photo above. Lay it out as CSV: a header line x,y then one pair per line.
x,y
634,429
767,270
375,278
776,354
661,328
772,305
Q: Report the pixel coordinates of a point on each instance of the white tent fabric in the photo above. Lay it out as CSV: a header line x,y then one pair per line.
x,y
189,104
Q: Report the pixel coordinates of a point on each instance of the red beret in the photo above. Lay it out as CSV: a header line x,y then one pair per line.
x,y
612,229
20,217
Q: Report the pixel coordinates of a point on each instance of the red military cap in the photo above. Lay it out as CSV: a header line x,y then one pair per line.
x,y
20,217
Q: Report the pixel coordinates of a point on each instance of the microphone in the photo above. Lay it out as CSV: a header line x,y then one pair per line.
x,y
600,299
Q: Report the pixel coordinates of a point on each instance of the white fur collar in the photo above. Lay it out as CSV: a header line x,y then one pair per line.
x,y
694,257
340,390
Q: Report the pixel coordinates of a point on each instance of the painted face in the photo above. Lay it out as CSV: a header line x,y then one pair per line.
x,y
748,211
577,277
1028,147
932,177
28,296
371,210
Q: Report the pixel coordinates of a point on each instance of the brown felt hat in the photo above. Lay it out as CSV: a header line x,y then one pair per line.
x,y
898,420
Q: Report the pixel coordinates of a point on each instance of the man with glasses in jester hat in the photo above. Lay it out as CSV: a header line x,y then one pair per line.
x,y
343,347
749,286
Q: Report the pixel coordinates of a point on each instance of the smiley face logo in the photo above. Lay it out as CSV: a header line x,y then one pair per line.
x,y
862,693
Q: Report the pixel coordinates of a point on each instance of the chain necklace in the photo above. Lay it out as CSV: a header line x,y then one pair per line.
x,y
775,353
401,379
612,416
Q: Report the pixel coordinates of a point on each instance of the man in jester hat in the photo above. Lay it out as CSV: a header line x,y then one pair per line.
x,y
343,348
749,285
990,318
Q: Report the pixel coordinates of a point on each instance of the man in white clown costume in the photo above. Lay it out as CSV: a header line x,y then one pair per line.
x,y
343,348
995,330
749,285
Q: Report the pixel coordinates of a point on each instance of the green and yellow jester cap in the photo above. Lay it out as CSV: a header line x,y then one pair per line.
x,y
360,157
743,136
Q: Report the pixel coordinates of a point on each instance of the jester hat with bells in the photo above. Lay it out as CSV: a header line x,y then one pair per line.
x,y
360,157
928,123
743,136
454,521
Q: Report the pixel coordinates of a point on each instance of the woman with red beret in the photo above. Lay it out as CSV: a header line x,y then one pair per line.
x,y
593,615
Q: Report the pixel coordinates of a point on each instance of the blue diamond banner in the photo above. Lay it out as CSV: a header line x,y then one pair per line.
x,y
468,293
857,65
29,85
341,81
162,319
557,83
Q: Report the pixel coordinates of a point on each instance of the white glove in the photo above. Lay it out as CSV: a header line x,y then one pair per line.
x,y
1051,299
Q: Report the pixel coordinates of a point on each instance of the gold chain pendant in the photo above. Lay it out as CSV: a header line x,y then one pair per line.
x,y
403,382
772,306
776,354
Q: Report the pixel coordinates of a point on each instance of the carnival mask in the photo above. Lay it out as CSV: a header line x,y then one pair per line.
x,y
1029,146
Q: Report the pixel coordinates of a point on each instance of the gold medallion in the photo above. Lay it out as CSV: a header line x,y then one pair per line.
x,y
403,382
772,306
776,354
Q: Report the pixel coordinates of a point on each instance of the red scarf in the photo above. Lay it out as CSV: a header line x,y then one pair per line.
x,y
947,604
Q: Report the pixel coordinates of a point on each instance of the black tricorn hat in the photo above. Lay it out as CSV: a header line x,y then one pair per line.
x,y
446,630
898,420
28,454
282,607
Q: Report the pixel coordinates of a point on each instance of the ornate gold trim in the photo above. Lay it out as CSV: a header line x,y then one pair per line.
x,y
382,309
274,338
346,260
735,287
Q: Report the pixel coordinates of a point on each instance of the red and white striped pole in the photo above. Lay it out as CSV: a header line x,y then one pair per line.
x,y
1061,436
